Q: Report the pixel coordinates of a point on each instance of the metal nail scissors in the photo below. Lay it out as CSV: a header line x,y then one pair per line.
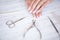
x,y
11,24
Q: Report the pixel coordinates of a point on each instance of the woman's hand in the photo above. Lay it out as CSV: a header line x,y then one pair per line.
x,y
35,6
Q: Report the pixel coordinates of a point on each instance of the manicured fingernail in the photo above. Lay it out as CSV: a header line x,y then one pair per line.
x,y
30,11
29,8
34,11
